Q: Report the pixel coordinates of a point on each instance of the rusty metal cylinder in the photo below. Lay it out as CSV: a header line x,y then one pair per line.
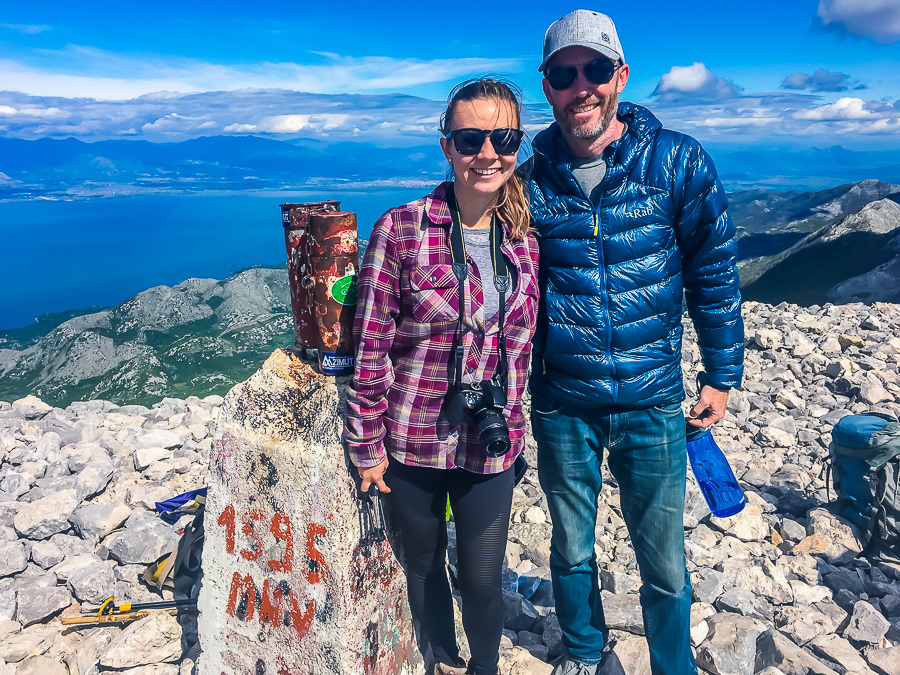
x,y
295,219
333,267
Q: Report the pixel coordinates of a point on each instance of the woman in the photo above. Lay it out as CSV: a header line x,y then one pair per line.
x,y
408,327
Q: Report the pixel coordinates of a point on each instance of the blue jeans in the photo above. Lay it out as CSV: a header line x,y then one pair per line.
x,y
648,457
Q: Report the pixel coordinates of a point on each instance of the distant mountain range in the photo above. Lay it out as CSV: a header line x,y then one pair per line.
x,y
202,336
855,257
71,168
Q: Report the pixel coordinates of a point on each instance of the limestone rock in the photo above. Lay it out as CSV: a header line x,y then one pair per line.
x,y
13,558
36,604
159,438
143,542
41,665
46,554
623,612
885,661
154,639
92,583
746,603
837,650
730,648
866,624
47,516
519,661
633,654
96,520
144,457
775,650
94,642
146,496
16,647
746,525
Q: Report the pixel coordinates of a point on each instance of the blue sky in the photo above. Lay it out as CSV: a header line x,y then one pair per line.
x,y
791,73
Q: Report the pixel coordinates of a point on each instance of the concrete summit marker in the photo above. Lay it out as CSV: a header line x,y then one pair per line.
x,y
288,589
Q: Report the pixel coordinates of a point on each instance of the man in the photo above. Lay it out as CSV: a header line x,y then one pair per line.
x,y
631,218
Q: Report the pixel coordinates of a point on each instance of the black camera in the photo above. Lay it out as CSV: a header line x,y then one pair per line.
x,y
484,402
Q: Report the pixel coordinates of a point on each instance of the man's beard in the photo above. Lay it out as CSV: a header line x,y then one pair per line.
x,y
608,114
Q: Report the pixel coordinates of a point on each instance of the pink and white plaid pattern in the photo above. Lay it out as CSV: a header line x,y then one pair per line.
x,y
406,322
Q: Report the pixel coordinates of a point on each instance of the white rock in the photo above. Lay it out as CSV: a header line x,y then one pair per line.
x,y
155,639
45,517
767,338
30,401
746,525
535,515
144,457
159,438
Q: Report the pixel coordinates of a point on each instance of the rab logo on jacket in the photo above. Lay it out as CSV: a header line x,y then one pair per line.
x,y
640,212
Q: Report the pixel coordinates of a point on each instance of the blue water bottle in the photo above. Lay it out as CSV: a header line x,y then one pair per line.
x,y
713,473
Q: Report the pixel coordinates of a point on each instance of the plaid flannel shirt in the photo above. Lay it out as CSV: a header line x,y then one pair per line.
x,y
406,325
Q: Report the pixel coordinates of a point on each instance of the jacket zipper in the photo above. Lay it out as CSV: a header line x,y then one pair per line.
x,y
603,285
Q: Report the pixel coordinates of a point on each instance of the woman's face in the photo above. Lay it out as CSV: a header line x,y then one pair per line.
x,y
487,171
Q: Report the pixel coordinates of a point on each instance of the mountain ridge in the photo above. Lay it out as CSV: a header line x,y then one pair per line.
x,y
849,248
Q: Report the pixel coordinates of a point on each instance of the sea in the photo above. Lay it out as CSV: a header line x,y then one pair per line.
x,y
62,255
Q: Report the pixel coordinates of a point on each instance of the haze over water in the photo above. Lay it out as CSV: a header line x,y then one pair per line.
x,y
100,252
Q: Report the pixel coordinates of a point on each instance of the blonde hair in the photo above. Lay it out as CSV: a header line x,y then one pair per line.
x,y
512,203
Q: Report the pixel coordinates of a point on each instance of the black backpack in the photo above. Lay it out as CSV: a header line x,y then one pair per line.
x,y
865,470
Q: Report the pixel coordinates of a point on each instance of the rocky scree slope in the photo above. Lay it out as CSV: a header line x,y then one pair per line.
x,y
779,588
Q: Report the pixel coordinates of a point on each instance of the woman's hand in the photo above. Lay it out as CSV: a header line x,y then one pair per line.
x,y
374,474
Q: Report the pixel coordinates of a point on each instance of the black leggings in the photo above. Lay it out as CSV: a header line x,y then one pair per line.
x,y
481,506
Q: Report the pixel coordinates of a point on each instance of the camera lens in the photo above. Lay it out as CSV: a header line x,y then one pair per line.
x,y
493,432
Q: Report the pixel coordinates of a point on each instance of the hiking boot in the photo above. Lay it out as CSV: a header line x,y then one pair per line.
x,y
570,667
444,669
609,665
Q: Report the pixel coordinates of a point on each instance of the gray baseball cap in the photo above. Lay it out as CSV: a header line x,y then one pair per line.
x,y
583,28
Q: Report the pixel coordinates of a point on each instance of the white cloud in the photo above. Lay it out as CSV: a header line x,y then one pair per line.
x,y
768,118
735,122
240,128
846,108
178,125
694,83
101,75
875,19
290,124
32,112
882,126
27,29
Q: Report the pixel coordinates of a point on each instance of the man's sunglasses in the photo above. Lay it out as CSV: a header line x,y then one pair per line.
x,y
595,72
470,141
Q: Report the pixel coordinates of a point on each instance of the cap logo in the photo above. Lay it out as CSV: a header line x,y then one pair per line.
x,y
605,37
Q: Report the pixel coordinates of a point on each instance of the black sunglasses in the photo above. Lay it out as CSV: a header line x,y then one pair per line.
x,y
470,141
595,72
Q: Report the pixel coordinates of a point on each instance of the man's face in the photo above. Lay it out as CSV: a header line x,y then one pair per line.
x,y
584,110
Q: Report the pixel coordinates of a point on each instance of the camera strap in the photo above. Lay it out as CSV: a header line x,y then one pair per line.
x,y
501,283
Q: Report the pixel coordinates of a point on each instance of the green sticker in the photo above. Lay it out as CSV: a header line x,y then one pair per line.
x,y
344,290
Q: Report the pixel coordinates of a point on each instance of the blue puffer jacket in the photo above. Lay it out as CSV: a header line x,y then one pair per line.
x,y
609,331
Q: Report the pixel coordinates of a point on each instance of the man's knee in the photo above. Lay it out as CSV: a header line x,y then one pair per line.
x,y
572,557
666,580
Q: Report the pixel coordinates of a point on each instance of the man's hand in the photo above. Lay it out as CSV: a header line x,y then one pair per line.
x,y
375,474
709,409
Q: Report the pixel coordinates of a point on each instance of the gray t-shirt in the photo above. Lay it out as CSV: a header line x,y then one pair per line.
x,y
478,247
589,173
